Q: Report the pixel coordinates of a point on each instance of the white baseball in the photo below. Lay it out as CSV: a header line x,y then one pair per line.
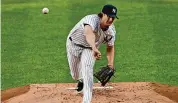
x,y
45,10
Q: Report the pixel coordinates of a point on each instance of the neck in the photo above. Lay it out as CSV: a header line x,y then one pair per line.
x,y
103,27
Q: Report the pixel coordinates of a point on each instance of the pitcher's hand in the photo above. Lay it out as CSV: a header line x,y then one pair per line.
x,y
96,54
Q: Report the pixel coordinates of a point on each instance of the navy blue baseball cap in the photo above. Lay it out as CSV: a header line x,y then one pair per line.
x,y
110,10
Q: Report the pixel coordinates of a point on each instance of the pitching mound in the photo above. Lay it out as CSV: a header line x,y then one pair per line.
x,y
138,92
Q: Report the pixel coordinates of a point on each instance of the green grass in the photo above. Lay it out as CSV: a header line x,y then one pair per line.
x,y
33,44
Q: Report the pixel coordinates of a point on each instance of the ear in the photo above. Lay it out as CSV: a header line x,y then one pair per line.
x,y
104,14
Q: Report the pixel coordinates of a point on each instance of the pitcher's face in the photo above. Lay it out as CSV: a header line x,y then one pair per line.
x,y
107,20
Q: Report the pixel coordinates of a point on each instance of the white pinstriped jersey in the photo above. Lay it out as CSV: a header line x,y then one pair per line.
x,y
78,36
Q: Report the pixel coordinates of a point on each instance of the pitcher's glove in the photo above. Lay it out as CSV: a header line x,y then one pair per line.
x,y
104,74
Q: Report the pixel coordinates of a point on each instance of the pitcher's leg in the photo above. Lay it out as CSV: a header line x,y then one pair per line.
x,y
74,62
87,63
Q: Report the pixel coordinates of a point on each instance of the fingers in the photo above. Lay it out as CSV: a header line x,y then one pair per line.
x,y
97,54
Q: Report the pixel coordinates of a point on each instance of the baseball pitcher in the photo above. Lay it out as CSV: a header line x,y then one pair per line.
x,y
83,44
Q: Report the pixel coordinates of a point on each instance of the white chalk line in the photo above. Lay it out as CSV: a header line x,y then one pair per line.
x,y
107,87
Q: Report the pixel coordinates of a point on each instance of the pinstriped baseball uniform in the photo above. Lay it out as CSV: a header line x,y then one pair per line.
x,y
79,53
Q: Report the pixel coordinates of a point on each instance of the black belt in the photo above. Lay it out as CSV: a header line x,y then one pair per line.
x,y
70,38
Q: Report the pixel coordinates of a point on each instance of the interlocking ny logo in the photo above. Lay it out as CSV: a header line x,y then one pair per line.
x,y
114,10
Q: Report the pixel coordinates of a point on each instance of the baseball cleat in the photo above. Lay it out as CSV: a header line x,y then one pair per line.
x,y
80,85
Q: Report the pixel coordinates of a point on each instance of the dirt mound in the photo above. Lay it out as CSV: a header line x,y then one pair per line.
x,y
136,92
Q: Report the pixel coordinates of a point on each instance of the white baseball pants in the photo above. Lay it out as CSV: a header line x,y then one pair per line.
x,y
81,62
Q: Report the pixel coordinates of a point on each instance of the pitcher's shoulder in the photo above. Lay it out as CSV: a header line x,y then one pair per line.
x,y
92,16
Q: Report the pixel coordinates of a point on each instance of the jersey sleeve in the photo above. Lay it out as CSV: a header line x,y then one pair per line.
x,y
90,20
113,33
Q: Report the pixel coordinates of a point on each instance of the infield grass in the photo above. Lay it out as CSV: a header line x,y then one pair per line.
x,y
33,44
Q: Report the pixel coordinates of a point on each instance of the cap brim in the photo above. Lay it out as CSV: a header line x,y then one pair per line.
x,y
113,16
